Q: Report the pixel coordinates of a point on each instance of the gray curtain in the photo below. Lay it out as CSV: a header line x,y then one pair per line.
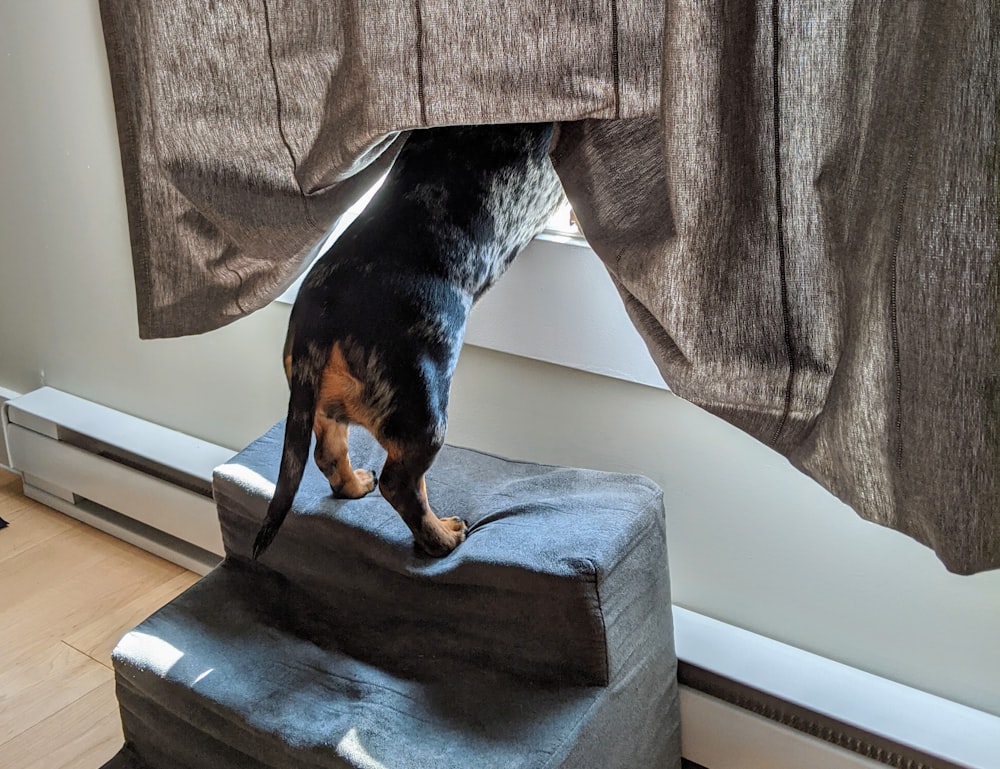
x,y
798,201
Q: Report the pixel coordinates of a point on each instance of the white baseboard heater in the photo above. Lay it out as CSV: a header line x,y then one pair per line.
x,y
136,480
750,702
747,702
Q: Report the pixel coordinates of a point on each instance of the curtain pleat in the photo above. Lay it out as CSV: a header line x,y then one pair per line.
x,y
798,201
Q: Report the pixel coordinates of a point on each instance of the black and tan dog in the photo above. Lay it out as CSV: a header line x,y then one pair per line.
x,y
376,330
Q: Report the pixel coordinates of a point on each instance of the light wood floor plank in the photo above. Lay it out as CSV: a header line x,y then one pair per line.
x,y
73,580
55,678
29,528
57,561
13,508
99,637
69,592
56,606
83,735
7,479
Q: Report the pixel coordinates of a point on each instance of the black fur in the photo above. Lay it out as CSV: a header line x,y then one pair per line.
x,y
395,291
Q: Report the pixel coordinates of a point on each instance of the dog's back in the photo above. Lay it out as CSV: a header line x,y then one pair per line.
x,y
378,324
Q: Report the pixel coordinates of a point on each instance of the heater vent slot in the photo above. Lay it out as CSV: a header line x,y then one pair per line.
x,y
143,464
829,730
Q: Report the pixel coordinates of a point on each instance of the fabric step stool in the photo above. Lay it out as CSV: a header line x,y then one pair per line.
x,y
543,641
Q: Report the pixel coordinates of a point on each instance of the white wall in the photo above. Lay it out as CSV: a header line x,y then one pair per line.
x,y
752,542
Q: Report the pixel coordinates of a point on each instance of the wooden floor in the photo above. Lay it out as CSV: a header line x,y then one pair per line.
x,y
67,594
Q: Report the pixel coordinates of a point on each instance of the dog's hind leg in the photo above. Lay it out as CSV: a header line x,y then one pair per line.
x,y
403,486
334,462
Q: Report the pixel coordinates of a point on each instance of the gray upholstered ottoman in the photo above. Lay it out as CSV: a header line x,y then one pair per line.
x,y
545,640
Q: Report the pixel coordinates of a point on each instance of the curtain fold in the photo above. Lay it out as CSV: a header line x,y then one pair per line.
x,y
249,126
798,201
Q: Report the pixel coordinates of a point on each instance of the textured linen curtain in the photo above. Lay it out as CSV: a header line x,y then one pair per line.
x,y
798,201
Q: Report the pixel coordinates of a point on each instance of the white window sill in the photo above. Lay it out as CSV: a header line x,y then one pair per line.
x,y
557,304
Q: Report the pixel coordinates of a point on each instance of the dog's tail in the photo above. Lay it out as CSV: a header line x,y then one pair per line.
x,y
303,383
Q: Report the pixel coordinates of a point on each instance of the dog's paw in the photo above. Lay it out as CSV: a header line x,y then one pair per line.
x,y
367,481
363,482
455,525
442,536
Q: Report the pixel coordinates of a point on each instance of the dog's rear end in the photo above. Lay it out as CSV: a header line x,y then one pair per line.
x,y
378,324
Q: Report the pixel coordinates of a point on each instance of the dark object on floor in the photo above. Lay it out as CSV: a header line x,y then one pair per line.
x,y
544,642
3,524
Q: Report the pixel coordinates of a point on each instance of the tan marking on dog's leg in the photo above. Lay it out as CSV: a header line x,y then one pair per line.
x,y
334,461
407,493
340,387
338,401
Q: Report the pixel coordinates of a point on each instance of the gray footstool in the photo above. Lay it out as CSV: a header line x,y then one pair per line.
x,y
545,640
